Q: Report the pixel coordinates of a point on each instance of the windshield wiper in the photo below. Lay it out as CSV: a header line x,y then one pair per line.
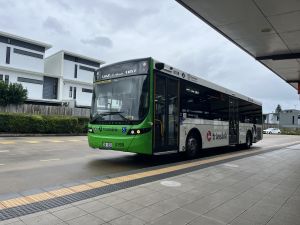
x,y
96,117
116,113
100,115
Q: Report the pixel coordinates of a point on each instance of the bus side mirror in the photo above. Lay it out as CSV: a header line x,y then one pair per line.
x,y
159,66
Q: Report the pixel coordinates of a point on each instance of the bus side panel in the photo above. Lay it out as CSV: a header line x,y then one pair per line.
x,y
243,129
213,133
256,131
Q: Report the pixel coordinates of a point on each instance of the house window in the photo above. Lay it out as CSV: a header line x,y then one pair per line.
x,y
1,77
70,92
6,79
32,54
75,71
293,120
87,90
74,94
7,55
28,80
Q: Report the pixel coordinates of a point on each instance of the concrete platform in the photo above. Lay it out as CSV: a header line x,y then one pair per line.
x,y
257,189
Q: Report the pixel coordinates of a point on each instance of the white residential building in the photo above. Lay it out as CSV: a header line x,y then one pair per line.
x,y
22,61
64,77
75,73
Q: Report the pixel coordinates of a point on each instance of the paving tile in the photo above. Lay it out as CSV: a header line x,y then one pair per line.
x,y
260,213
177,217
60,208
128,206
128,195
87,220
164,207
46,219
243,221
147,214
69,213
14,221
92,206
206,221
112,200
108,214
150,199
127,219
203,205
10,221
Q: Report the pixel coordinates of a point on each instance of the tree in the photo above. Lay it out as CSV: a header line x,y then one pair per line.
x,y
12,94
278,109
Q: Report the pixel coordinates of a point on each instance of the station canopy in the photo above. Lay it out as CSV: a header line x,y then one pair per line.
x,y
269,30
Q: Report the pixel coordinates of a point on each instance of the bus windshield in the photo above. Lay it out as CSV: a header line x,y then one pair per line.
x,y
124,99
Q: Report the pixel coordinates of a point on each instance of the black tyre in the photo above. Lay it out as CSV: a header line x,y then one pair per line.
x,y
248,141
192,146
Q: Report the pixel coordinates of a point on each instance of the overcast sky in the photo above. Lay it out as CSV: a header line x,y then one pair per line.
x,y
115,30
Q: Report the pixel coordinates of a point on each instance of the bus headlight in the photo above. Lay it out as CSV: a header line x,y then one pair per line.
x,y
90,130
138,131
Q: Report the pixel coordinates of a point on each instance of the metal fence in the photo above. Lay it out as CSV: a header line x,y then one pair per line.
x,y
46,110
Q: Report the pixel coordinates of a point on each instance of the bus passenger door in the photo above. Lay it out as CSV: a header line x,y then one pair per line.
x,y
233,121
166,114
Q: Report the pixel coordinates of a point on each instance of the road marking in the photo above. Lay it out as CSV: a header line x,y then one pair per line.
x,y
56,141
48,160
2,151
33,142
7,142
2,164
74,140
231,165
21,201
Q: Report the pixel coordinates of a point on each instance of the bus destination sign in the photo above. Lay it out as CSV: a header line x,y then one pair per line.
x,y
122,70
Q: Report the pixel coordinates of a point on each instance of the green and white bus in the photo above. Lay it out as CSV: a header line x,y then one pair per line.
x,y
148,107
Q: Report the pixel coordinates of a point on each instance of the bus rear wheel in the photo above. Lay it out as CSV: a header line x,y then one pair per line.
x,y
192,146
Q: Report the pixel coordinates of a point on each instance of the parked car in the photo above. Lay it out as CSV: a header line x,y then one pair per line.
x,y
272,131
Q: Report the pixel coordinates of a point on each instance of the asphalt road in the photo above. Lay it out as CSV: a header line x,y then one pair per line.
x,y
35,162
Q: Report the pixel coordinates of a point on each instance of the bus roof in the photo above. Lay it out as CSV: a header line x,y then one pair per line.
x,y
195,79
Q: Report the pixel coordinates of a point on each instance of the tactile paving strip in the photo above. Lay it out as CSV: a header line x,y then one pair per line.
x,y
44,201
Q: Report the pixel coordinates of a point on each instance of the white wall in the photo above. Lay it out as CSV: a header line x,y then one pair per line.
x,y
82,98
2,53
82,75
35,91
26,62
53,64
21,61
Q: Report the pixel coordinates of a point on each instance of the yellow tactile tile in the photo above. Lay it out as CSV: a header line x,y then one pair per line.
x,y
39,197
1,206
62,192
97,184
15,202
111,181
80,188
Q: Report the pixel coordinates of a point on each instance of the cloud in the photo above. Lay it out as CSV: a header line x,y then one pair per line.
x,y
53,24
140,28
99,41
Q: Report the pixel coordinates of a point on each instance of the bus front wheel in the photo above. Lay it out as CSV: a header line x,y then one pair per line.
x,y
192,146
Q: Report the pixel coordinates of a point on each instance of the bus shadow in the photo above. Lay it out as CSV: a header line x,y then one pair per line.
x,y
137,161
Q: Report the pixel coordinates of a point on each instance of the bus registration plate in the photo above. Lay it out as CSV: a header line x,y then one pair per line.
x,y
107,145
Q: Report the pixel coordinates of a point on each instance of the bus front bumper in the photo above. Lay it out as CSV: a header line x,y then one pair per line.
x,y
128,143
